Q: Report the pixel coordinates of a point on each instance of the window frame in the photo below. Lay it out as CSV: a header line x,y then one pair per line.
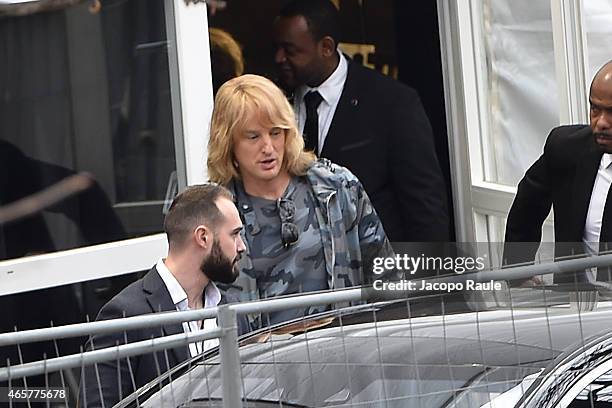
x,y
464,73
192,102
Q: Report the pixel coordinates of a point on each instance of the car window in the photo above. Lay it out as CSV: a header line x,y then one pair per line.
x,y
597,394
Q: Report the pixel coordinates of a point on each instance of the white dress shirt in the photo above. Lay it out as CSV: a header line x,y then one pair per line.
x,y
212,297
592,226
330,90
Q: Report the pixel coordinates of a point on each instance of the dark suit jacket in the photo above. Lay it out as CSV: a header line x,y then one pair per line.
x,y
381,133
146,295
563,177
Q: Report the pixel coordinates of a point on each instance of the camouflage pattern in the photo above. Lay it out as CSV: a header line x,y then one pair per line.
x,y
351,232
280,269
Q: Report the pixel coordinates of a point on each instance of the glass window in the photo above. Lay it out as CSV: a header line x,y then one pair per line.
x,y
85,97
85,90
598,394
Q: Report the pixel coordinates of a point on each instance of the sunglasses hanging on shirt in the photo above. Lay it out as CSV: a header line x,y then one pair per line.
x,y
289,231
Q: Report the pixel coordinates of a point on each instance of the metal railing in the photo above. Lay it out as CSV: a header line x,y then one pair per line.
x,y
226,331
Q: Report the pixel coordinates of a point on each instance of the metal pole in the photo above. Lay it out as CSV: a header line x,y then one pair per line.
x,y
106,354
105,326
302,300
230,359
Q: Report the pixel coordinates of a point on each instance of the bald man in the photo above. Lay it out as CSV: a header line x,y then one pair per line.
x,y
574,176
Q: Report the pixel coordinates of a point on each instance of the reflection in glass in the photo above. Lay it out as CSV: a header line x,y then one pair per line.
x,y
81,90
598,394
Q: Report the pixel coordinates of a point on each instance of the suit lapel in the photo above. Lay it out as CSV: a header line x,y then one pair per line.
x,y
586,172
340,130
159,300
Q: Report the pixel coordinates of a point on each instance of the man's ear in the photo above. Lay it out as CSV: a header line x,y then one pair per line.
x,y
203,236
328,46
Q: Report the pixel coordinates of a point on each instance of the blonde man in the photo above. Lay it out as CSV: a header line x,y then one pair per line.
x,y
309,225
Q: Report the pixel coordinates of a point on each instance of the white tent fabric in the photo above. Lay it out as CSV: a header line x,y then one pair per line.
x,y
523,96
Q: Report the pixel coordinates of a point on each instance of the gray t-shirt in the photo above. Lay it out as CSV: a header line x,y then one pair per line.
x,y
280,269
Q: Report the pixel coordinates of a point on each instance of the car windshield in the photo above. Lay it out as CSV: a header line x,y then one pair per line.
x,y
366,364
465,385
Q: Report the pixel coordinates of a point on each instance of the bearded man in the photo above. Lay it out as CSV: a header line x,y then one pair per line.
x,y
203,229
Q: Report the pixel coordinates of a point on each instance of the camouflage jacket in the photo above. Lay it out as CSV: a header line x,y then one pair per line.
x,y
351,232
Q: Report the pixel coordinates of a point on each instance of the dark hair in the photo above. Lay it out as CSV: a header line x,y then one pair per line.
x,y
320,15
194,206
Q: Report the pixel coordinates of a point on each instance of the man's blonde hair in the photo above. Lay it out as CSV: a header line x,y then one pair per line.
x,y
236,100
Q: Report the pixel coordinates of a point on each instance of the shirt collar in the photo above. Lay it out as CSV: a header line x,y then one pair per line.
x,y
179,297
606,160
329,88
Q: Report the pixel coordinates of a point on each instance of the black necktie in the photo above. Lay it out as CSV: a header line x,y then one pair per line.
x,y
312,100
605,238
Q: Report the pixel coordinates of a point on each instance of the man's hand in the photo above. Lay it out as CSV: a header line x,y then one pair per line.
x,y
528,283
213,5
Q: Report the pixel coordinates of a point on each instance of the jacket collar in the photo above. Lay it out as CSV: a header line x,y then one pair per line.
x,y
318,175
159,300
245,206
586,171
348,107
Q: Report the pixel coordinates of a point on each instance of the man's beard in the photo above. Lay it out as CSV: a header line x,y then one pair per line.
x,y
605,147
218,267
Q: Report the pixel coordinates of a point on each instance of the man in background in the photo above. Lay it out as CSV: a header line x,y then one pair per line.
x,y
574,175
363,120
